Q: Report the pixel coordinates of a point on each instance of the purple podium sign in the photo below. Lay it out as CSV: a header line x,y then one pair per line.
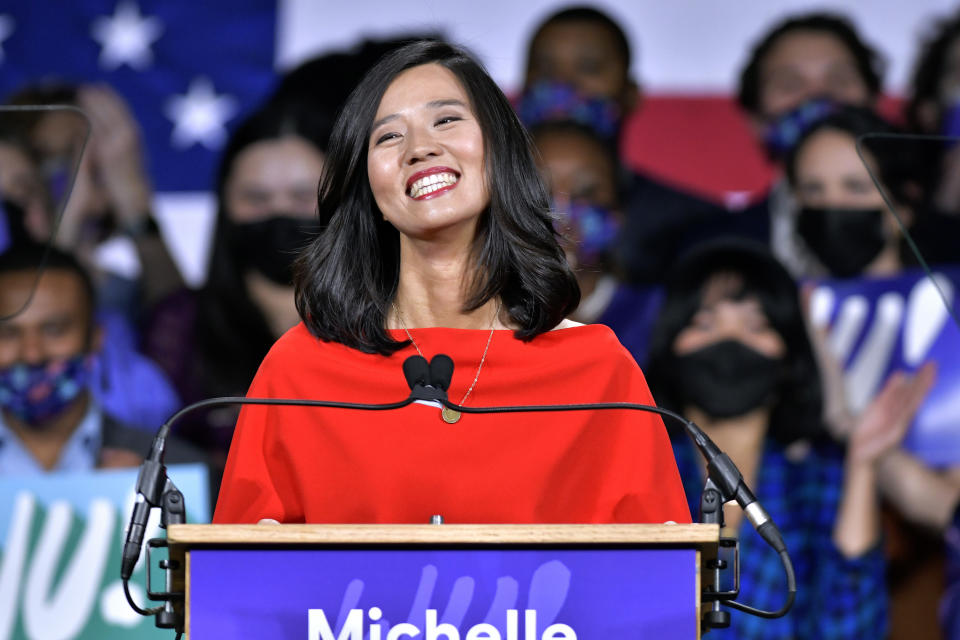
x,y
443,594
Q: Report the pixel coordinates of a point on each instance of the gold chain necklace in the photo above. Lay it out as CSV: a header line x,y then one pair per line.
x,y
451,416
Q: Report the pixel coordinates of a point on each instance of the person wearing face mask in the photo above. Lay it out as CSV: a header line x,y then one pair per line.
x,y
50,419
125,382
578,68
211,342
842,219
582,170
847,226
730,351
798,72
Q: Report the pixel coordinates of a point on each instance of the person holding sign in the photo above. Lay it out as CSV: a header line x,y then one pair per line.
x,y
846,223
730,351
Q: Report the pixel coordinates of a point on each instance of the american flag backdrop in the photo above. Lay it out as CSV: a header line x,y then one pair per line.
x,y
191,70
188,69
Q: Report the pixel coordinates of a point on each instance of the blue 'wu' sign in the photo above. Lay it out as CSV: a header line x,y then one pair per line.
x,y
880,325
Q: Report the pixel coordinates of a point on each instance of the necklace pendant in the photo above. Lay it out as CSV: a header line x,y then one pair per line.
x,y
449,415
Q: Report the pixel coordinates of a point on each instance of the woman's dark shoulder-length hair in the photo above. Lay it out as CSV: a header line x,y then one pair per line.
x,y
227,315
798,407
347,277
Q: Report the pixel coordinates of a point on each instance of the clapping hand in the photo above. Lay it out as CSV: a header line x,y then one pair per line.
x,y
116,152
882,425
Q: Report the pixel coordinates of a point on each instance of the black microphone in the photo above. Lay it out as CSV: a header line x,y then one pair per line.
x,y
722,470
441,371
428,382
416,371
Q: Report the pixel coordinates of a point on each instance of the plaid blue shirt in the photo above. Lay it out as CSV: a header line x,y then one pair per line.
x,y
950,604
837,597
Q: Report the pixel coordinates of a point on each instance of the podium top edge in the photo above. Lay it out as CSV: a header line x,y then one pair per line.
x,y
483,534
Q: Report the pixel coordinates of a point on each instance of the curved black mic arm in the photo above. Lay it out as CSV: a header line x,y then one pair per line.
x,y
720,469
153,484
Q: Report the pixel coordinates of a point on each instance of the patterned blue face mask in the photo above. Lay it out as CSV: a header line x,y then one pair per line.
x,y
552,102
35,393
786,129
590,229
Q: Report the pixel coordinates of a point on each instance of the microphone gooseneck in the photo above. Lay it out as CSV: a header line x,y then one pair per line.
x,y
429,382
720,469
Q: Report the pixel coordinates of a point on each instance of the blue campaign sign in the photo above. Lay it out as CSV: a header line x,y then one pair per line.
x,y
449,594
880,325
60,563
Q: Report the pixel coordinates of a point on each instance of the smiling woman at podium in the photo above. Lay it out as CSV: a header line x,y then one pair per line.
x,y
438,239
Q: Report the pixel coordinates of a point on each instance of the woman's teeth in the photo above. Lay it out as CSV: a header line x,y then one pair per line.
x,y
431,183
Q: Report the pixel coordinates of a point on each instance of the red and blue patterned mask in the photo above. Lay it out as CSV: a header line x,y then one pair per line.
x,y
590,229
553,102
35,393
784,132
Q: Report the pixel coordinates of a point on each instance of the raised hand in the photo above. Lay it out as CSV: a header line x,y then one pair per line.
x,y
882,425
116,153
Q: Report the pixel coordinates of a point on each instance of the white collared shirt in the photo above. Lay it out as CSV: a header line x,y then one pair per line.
x,y
79,453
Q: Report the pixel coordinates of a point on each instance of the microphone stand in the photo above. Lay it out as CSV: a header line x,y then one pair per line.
x,y
155,489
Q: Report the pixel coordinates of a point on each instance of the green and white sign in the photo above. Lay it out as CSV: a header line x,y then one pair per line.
x,y
60,562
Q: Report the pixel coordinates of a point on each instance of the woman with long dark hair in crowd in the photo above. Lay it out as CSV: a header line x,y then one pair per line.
x,y
437,238
842,219
847,225
212,342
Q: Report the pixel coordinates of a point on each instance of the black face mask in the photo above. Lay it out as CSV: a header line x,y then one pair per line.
x,y
844,240
726,379
271,245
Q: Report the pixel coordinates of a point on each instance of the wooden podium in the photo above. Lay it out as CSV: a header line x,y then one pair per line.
x,y
442,582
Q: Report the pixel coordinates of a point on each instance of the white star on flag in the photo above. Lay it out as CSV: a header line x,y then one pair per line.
x,y
125,37
6,29
199,116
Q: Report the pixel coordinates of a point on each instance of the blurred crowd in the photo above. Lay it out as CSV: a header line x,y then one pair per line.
x,y
101,339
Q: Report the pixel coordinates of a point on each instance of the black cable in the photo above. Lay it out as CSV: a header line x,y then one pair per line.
x,y
216,402
144,612
700,438
156,455
791,594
